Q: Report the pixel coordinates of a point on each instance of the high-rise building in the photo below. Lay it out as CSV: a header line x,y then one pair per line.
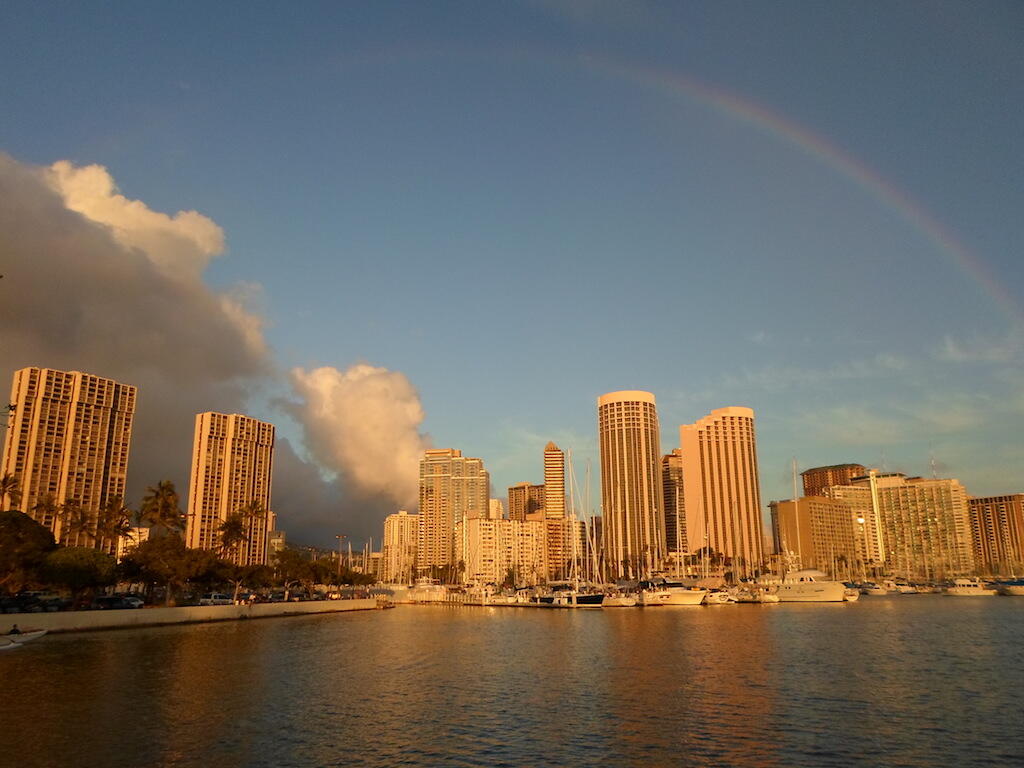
x,y
816,532
496,509
554,482
68,436
232,465
672,489
631,493
452,487
721,489
525,499
915,527
529,539
492,550
566,547
817,479
401,532
126,544
997,532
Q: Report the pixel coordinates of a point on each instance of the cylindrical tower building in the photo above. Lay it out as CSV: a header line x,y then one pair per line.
x,y
631,490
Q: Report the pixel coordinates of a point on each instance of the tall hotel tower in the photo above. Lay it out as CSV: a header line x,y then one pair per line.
x,y
68,436
452,488
554,482
631,492
721,490
232,462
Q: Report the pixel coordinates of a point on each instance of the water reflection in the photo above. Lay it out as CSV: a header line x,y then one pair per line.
x,y
912,680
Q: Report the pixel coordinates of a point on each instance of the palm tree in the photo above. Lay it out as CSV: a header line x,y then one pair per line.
x,y
46,510
114,523
233,532
75,521
10,488
161,507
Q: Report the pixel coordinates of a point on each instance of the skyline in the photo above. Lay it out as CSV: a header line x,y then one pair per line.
x,y
451,215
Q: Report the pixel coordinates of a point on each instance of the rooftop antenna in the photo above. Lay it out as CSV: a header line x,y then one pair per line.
x,y
931,459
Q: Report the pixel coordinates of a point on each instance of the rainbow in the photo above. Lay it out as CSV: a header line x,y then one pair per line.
x,y
784,129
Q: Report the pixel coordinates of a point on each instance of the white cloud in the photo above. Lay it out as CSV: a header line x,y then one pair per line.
x,y
181,245
982,350
774,378
97,282
363,423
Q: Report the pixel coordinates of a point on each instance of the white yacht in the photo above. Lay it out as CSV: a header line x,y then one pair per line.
x,y
969,587
811,586
663,592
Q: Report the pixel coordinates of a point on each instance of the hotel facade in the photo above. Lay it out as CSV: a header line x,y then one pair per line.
x,y
721,486
997,533
401,533
68,438
232,466
452,488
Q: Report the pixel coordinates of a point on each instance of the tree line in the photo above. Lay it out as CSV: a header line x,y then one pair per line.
x,y
164,567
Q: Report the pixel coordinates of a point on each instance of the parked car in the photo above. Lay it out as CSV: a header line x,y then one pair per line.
x,y
133,601
23,602
215,598
109,603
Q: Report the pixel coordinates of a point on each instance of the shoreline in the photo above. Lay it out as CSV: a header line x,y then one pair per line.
x,y
91,621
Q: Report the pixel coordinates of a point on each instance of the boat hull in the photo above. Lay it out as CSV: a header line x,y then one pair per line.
x,y
26,637
619,601
812,592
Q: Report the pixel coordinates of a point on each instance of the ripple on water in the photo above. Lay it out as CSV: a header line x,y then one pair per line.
x,y
917,681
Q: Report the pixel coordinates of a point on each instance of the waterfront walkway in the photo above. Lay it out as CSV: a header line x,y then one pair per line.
x,y
80,621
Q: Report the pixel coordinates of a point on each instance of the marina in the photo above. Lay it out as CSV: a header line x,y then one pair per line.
x,y
880,682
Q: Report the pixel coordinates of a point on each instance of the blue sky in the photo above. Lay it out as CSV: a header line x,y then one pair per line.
x,y
494,200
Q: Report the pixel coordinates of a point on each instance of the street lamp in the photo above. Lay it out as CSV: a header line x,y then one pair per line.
x,y
341,538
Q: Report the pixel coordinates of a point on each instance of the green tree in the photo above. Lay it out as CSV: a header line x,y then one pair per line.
x,y
249,576
291,568
79,569
158,561
203,570
75,522
113,523
10,493
232,532
161,507
24,545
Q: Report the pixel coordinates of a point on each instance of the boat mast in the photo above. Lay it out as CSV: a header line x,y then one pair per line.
x,y
796,518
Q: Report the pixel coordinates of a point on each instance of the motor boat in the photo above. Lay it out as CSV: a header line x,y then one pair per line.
x,y
719,597
619,600
25,636
567,594
811,586
870,588
1014,587
968,588
661,592
752,593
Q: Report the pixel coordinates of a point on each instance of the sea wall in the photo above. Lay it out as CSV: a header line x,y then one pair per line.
x,y
78,621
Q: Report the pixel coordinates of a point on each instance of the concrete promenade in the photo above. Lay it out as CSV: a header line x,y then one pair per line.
x,y
81,621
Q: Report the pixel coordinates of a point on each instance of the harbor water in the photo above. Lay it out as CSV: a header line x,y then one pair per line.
x,y
917,680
